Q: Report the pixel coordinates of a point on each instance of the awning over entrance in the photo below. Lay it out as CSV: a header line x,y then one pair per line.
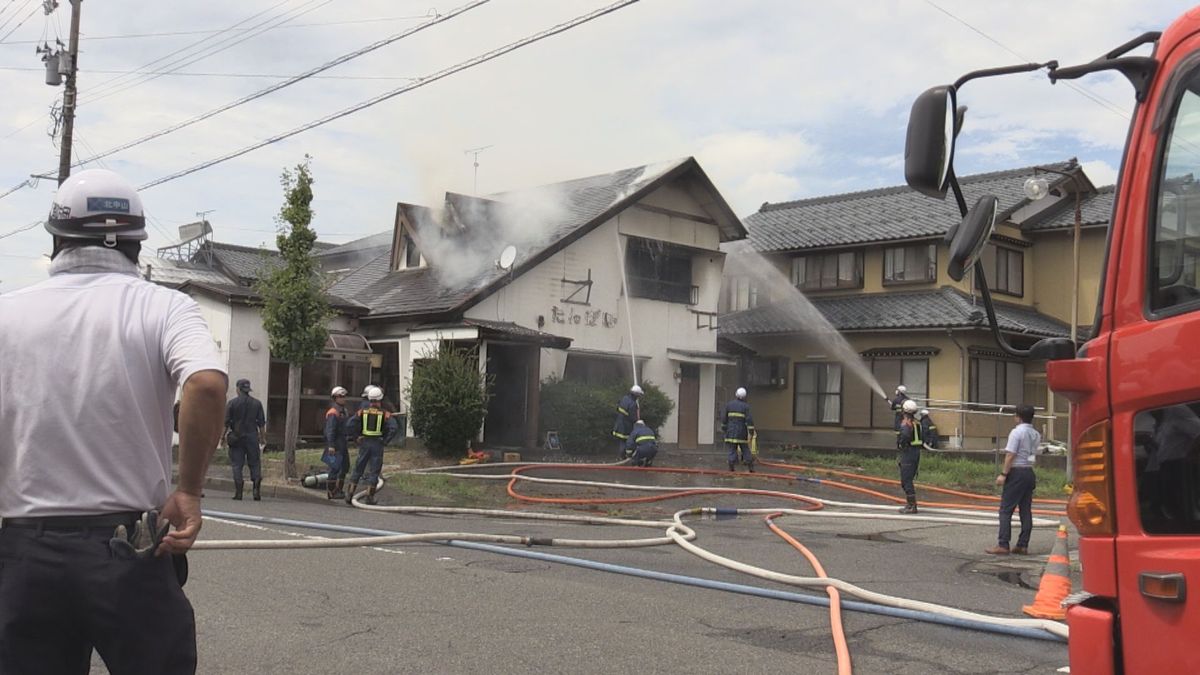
x,y
346,343
501,331
689,356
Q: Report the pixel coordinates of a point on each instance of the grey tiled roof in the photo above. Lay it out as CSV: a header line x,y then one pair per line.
x,y
580,203
941,308
174,273
1095,209
361,244
884,214
244,262
249,295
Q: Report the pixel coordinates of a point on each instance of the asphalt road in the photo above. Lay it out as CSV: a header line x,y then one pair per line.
x,y
432,608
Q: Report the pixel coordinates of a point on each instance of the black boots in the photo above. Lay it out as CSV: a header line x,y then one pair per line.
x,y
334,489
731,465
257,490
370,498
750,466
911,506
350,489
237,490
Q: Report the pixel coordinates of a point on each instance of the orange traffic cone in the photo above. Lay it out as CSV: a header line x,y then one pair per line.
x,y
1056,582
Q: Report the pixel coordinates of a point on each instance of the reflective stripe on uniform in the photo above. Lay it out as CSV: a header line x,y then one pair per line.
x,y
622,410
739,441
641,439
736,414
620,435
916,441
377,417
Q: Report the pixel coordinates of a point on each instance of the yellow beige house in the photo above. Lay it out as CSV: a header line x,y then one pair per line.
x,y
874,264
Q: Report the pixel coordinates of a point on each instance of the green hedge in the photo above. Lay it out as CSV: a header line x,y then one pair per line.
x,y
448,400
583,414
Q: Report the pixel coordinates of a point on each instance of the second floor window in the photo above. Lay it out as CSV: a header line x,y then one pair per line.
x,y
659,271
743,294
997,381
412,255
909,264
828,271
1005,269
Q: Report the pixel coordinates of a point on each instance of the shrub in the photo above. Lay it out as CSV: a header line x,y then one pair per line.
x,y
583,414
448,399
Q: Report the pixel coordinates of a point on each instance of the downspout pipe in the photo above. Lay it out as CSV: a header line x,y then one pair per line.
x,y
654,575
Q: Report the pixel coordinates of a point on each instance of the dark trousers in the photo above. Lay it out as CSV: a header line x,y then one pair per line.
x,y
369,462
243,452
1017,495
644,456
910,461
739,450
343,461
62,592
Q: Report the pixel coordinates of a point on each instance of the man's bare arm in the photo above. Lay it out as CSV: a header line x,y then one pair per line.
x,y
201,420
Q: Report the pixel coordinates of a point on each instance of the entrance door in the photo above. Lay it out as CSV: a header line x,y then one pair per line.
x,y
1155,398
509,407
689,406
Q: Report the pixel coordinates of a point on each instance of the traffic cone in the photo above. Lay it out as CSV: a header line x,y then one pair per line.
x,y
1056,582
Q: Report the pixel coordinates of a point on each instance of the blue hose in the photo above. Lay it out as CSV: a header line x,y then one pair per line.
x,y
819,601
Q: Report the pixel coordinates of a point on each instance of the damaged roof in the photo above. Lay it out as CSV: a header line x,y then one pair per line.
x,y
586,203
945,307
882,214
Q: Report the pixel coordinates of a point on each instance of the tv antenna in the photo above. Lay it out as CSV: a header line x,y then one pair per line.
x,y
203,215
476,152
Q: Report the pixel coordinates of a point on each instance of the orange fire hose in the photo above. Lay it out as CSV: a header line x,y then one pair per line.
x,y
840,647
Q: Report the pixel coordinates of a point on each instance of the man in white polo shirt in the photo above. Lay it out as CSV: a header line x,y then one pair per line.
x,y
1019,482
93,357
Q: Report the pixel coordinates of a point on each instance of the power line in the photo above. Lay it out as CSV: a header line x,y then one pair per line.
x,y
1095,98
482,58
22,23
270,76
129,36
15,14
292,80
215,49
23,228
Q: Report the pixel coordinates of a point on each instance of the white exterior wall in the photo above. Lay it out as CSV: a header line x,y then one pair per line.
x,y
249,351
219,316
602,325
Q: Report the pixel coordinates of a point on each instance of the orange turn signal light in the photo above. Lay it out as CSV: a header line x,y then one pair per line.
x,y
1090,506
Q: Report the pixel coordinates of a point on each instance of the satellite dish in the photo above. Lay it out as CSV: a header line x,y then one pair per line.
x,y
507,257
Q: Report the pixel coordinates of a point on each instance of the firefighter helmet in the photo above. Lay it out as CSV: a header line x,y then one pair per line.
x,y
909,406
373,393
740,393
338,391
636,390
97,204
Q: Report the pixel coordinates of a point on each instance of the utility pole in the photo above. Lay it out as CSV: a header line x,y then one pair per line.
x,y
69,96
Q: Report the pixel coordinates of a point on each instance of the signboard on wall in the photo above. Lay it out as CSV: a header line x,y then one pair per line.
x,y
574,316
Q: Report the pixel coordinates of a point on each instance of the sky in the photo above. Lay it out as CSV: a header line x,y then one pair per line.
x,y
777,99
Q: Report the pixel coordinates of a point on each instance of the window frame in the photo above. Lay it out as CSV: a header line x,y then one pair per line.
x,y
931,271
820,394
736,283
1178,90
651,288
857,283
1005,288
874,398
973,381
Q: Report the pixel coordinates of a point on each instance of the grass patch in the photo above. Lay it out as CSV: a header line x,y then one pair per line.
x,y
433,486
959,473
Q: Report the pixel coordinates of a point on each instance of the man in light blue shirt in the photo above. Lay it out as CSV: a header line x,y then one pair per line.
x,y
1019,482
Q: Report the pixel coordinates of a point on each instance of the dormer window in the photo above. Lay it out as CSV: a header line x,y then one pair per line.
x,y
411,255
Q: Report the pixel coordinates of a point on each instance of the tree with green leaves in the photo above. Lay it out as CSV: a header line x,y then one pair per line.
x,y
295,310
448,399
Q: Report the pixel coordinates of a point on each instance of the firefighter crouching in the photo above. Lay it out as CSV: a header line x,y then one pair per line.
x,y
641,446
628,413
909,443
337,451
738,426
374,427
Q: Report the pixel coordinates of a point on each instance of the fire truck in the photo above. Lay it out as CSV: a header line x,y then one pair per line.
x,y
1134,385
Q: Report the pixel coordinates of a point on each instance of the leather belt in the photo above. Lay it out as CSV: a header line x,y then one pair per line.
x,y
74,522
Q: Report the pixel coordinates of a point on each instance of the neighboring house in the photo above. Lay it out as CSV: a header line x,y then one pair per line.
x,y
219,277
553,306
874,264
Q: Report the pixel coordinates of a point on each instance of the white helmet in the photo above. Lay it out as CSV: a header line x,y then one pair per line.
x,y
97,204
373,393
366,390
636,390
740,393
902,389
925,413
338,391
909,406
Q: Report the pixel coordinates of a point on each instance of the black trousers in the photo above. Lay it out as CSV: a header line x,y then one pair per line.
x,y
242,452
1017,494
910,461
63,593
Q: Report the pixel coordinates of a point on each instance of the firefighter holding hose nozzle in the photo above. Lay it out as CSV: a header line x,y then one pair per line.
x,y
908,443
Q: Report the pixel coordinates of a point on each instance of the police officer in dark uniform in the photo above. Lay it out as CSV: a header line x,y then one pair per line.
x,y
245,422
337,452
909,443
641,446
628,413
738,426
374,427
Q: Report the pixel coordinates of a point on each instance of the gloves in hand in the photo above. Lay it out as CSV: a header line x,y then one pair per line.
x,y
143,541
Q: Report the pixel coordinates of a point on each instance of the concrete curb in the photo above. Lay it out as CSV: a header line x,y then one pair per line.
x,y
270,490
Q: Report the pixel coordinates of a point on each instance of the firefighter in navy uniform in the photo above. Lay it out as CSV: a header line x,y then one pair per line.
x,y
738,426
628,413
641,446
337,452
86,488
374,427
898,406
909,443
929,431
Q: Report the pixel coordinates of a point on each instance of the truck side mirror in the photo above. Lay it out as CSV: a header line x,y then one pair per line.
x,y
967,239
929,145
1053,349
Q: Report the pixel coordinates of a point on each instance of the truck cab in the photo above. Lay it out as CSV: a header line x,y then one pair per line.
x,y
1134,385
